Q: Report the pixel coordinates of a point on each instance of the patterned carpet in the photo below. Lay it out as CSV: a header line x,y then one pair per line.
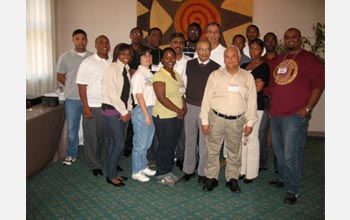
x,y
61,192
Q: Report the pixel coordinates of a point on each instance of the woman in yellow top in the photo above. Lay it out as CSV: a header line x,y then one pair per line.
x,y
168,113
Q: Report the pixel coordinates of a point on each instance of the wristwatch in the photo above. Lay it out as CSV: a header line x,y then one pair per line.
x,y
308,110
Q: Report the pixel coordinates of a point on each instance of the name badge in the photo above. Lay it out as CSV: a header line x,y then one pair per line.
x,y
233,88
282,70
155,68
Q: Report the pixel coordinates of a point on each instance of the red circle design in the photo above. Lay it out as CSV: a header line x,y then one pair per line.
x,y
198,11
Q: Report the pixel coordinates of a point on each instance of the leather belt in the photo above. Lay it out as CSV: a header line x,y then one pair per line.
x,y
229,117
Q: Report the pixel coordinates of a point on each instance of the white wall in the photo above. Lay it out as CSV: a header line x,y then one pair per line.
x,y
115,18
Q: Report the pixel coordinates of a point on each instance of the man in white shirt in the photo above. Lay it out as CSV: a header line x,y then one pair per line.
x,y
213,34
177,42
89,84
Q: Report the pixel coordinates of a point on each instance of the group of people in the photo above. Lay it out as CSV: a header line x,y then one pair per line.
x,y
188,101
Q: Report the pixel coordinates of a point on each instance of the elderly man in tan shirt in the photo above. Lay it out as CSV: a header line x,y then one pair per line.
x,y
229,110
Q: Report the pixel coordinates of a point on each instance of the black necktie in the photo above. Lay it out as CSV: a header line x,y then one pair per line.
x,y
202,65
126,88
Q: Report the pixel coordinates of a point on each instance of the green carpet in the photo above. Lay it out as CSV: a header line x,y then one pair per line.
x,y
72,192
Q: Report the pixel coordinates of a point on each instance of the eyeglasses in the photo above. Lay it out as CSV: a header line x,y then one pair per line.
x,y
194,32
203,49
136,34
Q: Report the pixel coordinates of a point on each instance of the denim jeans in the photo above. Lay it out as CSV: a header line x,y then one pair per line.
x,y
142,140
168,132
73,110
115,144
288,142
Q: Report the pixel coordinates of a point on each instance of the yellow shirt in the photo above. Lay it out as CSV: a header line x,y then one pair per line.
x,y
174,90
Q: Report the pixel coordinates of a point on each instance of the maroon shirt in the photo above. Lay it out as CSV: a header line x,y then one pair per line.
x,y
291,88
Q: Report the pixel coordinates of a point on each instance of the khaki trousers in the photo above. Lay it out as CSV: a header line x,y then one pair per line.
x,y
231,131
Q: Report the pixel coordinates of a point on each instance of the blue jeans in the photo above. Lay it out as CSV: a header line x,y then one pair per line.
x,y
73,110
168,132
288,142
115,144
142,140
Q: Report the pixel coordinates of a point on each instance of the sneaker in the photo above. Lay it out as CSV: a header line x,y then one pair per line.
x,y
174,178
140,177
147,171
166,180
69,161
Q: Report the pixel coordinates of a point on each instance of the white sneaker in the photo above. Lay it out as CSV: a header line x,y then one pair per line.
x,y
140,177
69,161
147,171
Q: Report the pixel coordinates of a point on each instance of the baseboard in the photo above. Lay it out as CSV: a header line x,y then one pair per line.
x,y
316,133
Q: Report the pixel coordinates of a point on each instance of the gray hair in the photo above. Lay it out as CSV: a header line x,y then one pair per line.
x,y
238,51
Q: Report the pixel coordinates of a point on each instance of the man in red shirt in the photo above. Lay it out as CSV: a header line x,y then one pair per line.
x,y
296,86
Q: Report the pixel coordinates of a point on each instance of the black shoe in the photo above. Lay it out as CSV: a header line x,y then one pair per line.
x,y
187,177
179,164
276,184
122,178
248,181
262,169
210,184
202,179
117,185
119,168
290,198
241,177
97,172
233,185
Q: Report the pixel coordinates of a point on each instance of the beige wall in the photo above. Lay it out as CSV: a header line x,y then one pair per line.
x,y
116,18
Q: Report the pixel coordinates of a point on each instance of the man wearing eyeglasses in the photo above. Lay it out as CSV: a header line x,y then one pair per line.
x,y
198,71
135,36
194,32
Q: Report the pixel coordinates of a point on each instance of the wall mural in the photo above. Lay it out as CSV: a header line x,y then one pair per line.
x,y
175,16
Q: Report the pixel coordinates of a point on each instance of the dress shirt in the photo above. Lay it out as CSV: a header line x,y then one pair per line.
x,y
90,73
112,86
180,67
230,95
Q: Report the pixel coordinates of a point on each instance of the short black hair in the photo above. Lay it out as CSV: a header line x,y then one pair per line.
x,y
196,25
153,29
293,29
238,35
258,42
176,34
270,33
79,31
166,49
254,26
143,50
119,49
135,28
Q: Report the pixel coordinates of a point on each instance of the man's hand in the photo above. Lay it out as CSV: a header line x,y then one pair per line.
x,y
205,129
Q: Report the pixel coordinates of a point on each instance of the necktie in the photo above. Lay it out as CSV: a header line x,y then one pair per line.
x,y
126,88
202,65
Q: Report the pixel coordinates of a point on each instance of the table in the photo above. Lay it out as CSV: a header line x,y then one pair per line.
x,y
46,137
